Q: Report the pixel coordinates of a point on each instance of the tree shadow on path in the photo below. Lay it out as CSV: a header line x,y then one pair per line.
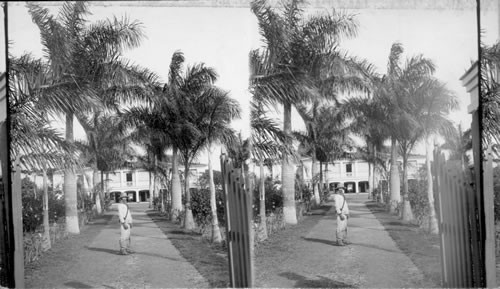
x,y
323,241
116,252
321,282
77,284
334,243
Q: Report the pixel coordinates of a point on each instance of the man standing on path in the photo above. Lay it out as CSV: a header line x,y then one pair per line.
x,y
125,217
342,210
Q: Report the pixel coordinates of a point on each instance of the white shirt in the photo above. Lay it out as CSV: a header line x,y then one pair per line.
x,y
123,215
339,202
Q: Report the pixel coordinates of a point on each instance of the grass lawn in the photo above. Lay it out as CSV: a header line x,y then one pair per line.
x,y
422,248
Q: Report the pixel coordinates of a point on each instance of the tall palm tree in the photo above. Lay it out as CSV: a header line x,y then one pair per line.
x,y
334,141
325,139
298,64
405,85
369,122
309,143
175,112
38,146
107,145
436,101
221,111
397,92
268,142
75,52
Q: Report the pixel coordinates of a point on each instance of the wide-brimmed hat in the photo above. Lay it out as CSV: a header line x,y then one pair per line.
x,y
123,195
340,188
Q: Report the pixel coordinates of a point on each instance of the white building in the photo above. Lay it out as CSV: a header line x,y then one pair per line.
x,y
134,182
351,173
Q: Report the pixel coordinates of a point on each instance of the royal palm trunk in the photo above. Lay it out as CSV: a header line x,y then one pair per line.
x,y
188,219
288,174
95,179
176,185
314,171
370,179
90,180
433,223
46,245
320,185
371,166
407,214
216,235
150,189
70,194
395,182
326,178
262,203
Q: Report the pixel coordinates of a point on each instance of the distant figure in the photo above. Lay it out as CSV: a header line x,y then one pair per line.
x,y
342,210
125,217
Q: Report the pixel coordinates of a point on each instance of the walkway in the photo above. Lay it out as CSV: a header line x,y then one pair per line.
x,y
156,263
303,256
313,260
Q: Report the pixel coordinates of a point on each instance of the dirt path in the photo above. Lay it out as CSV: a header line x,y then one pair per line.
x,y
94,263
309,257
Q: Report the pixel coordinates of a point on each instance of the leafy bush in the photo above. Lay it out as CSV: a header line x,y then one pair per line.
x,y
496,190
32,201
85,202
274,197
417,195
204,179
200,206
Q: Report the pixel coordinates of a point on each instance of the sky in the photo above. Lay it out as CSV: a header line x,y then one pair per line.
x,y
222,38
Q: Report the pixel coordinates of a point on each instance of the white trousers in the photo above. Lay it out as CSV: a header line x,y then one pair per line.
x,y
124,237
341,228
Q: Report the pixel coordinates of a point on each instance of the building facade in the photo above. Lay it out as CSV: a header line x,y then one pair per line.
x,y
134,182
352,173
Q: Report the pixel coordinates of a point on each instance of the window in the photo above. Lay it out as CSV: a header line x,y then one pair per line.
x,y
128,177
348,169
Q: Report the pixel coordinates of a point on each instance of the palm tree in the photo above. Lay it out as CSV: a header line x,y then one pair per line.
x,y
38,146
490,95
107,147
309,143
221,110
268,142
325,139
369,122
406,85
75,53
458,142
175,113
437,101
299,63
334,141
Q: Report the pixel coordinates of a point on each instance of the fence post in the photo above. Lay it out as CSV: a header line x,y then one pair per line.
x,y
239,231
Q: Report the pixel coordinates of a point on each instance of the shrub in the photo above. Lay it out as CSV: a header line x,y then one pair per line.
x,y
274,197
200,206
496,190
417,195
32,201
